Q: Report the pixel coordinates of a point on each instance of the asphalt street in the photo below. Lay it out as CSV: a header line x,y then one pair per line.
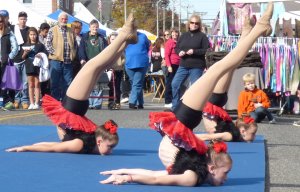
x,y
281,139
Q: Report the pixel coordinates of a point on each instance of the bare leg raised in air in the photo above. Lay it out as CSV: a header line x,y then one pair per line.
x,y
204,86
85,80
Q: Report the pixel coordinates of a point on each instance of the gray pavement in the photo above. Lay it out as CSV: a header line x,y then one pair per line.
x,y
282,139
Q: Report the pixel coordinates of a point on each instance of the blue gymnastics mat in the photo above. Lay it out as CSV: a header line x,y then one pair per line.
x,y
62,172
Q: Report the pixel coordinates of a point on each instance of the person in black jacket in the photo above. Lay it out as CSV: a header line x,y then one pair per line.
x,y
8,50
191,48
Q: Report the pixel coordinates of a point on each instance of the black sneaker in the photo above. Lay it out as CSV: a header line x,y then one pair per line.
x,y
132,106
140,107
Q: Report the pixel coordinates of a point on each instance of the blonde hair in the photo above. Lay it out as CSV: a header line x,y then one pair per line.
x,y
197,17
248,77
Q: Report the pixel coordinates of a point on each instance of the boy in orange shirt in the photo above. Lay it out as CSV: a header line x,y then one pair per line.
x,y
254,102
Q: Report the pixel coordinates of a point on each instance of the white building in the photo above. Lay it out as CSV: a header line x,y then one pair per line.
x,y
46,7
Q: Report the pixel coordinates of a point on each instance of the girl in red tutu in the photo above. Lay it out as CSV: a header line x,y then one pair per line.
x,y
188,160
217,121
77,133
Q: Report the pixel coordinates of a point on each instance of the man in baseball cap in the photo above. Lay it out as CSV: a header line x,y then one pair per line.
x,y
5,14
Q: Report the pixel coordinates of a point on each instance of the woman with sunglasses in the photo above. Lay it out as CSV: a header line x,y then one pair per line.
x,y
191,48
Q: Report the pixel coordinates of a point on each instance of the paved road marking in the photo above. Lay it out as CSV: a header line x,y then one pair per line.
x,y
20,115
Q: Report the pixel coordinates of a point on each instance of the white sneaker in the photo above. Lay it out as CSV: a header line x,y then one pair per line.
x,y
273,121
296,123
125,100
31,106
168,105
36,106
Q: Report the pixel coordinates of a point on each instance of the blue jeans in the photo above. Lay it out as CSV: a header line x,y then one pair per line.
x,y
260,113
136,77
22,96
181,75
61,76
169,79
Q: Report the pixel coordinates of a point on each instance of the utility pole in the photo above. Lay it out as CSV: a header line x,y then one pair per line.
x,y
179,21
157,24
125,10
164,17
173,13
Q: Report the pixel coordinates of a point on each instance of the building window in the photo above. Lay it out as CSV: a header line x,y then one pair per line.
x,y
27,1
67,6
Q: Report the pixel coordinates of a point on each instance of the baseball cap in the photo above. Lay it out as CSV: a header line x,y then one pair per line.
x,y
22,14
4,13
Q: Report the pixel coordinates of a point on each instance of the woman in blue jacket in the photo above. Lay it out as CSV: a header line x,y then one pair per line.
x,y
137,63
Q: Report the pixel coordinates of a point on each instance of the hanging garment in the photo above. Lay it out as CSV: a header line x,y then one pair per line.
x,y
236,13
297,28
223,19
277,10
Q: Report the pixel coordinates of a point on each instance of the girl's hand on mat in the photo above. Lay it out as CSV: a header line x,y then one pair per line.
x,y
16,149
116,180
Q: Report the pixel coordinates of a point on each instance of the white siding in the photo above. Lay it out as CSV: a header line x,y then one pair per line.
x,y
42,7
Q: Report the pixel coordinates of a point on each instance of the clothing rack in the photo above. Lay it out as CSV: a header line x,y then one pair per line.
x,y
280,57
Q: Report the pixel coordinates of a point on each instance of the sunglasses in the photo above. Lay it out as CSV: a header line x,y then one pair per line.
x,y
195,23
167,34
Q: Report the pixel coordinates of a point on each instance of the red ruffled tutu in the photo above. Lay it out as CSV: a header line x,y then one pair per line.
x,y
166,123
212,112
64,118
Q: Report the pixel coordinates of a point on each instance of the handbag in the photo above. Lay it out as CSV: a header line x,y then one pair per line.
x,y
11,78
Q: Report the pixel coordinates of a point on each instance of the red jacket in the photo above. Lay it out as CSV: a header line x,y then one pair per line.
x,y
248,98
171,56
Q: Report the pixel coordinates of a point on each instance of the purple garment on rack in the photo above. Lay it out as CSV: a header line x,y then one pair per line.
x,y
236,13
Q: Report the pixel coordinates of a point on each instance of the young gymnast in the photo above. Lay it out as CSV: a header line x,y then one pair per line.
x,y
217,121
190,163
78,133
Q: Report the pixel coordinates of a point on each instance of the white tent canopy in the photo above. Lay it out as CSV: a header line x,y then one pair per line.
x,y
14,7
82,13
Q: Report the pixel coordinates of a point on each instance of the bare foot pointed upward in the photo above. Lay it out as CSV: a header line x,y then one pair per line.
x,y
264,22
129,29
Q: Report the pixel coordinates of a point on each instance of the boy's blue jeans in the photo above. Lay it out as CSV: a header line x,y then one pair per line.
x,y
260,113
